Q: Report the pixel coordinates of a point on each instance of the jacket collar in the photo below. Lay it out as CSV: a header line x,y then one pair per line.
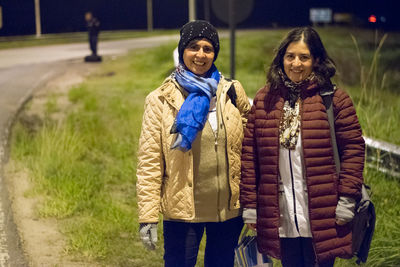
x,y
222,90
307,89
173,93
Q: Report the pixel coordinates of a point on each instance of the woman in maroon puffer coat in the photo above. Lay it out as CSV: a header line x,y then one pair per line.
x,y
290,191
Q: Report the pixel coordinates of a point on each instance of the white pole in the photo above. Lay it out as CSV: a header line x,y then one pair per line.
x,y
192,10
149,15
37,18
1,17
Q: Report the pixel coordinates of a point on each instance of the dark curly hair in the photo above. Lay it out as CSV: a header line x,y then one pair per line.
x,y
323,66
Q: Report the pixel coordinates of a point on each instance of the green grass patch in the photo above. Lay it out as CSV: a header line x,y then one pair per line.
x,y
73,37
84,167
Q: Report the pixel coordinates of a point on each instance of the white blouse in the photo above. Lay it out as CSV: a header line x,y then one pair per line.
x,y
293,195
212,115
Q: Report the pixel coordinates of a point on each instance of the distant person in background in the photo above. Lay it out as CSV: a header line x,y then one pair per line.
x,y
290,191
93,25
189,156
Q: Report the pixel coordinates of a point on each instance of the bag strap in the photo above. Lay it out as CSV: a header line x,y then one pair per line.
x,y
328,102
327,97
232,92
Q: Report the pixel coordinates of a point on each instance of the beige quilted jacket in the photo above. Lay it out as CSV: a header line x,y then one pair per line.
x,y
165,176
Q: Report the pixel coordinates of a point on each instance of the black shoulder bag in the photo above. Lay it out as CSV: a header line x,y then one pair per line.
x,y
364,218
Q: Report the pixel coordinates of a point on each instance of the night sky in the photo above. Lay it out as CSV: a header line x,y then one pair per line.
x,y
67,15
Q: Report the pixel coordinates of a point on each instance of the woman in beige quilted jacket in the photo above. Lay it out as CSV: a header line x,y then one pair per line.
x,y
189,155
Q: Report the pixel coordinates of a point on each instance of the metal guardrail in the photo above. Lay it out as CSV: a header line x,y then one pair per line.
x,y
383,156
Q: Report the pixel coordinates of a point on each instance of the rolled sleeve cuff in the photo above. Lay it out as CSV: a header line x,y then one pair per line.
x,y
249,215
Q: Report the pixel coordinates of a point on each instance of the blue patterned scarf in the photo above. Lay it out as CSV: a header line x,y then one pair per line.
x,y
192,116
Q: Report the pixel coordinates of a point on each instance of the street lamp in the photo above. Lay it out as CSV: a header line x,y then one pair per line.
x,y
149,15
1,17
37,18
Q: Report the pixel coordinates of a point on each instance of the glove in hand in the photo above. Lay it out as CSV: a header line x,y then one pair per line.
x,y
148,235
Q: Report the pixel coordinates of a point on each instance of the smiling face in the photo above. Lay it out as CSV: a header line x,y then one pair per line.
x,y
198,56
297,61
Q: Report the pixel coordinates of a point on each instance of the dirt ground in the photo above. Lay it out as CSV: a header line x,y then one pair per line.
x,y
42,241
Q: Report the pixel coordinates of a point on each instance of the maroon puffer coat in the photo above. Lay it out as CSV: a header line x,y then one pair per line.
x,y
260,168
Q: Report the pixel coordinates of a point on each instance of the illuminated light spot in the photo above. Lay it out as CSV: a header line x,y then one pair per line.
x,y
372,19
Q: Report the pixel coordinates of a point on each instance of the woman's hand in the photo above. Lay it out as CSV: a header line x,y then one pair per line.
x,y
148,235
252,226
345,210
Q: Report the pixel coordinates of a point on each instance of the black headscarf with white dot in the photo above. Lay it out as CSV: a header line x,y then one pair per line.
x,y
198,29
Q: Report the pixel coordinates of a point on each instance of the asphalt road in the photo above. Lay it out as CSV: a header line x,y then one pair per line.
x,y
21,72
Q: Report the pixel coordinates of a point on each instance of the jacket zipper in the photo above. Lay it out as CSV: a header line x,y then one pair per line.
x,y
218,184
294,193
218,110
308,195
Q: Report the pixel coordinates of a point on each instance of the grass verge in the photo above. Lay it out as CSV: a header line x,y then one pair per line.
x,y
84,167
73,37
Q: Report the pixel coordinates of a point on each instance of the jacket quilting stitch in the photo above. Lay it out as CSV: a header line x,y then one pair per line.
x,y
164,175
259,170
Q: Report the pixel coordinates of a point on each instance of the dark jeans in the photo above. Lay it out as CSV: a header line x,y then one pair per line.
x,y
93,43
299,252
182,240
